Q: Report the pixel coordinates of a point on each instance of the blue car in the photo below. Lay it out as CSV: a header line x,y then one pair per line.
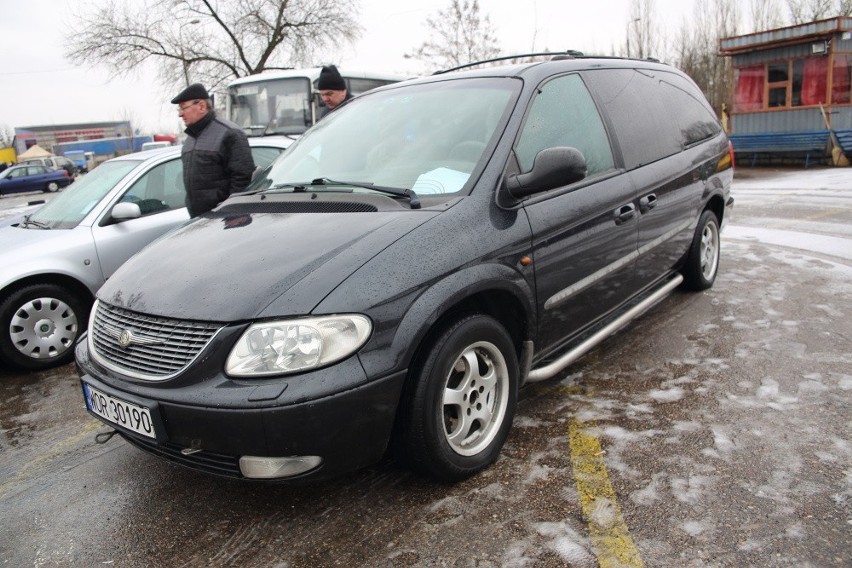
x,y
18,179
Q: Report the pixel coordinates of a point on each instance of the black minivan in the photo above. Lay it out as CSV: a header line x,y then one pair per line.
x,y
392,279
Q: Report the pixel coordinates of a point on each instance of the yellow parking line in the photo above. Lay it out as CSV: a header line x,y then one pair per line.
x,y
610,536
28,470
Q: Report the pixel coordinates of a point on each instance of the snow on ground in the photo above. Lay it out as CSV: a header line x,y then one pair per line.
x,y
813,178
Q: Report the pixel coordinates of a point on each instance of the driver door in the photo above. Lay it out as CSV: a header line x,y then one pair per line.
x,y
160,195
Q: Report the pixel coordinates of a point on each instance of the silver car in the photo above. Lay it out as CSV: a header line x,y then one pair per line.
x,y
53,261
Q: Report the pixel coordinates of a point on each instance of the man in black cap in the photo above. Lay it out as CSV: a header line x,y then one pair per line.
x,y
332,88
216,155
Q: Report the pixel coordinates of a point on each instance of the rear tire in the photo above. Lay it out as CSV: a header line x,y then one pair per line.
x,y
702,262
458,411
39,326
52,187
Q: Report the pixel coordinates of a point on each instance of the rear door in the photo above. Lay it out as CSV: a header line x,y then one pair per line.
x,y
660,121
584,235
37,178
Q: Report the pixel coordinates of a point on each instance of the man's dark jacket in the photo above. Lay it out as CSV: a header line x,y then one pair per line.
x,y
325,110
216,162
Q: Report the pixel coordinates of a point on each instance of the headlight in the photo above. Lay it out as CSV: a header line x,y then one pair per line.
x,y
290,346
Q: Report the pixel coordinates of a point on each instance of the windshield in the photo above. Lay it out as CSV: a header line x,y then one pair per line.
x,y
66,210
425,138
276,106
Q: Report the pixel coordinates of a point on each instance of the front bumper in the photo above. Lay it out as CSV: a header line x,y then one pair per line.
x,y
211,424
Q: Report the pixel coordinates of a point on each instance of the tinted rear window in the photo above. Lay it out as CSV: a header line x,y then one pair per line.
x,y
654,114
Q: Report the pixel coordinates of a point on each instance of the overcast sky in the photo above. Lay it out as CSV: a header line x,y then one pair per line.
x,y
40,87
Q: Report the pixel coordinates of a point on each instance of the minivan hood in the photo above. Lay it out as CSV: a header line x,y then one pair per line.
x,y
232,267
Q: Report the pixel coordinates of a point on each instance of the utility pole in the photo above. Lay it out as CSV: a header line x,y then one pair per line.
x,y
630,23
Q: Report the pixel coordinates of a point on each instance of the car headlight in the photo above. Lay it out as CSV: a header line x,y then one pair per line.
x,y
290,346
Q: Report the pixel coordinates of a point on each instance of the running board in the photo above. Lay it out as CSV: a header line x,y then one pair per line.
x,y
548,371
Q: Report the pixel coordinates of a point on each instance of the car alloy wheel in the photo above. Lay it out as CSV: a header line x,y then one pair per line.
x,y
702,261
458,412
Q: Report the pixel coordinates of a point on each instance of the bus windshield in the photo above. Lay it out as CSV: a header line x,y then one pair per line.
x,y
276,106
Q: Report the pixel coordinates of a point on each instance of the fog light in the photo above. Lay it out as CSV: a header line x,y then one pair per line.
x,y
255,467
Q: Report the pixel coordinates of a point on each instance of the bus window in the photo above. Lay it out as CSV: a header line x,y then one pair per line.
x,y
280,106
285,102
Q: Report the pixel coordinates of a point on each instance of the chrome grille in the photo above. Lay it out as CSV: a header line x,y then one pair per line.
x,y
155,348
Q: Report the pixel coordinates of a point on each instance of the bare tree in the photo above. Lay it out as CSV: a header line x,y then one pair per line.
x,y
458,35
211,41
642,33
765,15
696,49
803,11
7,135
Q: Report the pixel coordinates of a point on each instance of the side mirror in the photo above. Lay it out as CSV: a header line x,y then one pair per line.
x,y
552,168
126,210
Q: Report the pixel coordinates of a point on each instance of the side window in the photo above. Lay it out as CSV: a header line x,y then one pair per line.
x,y
358,86
564,114
643,124
694,117
263,155
159,189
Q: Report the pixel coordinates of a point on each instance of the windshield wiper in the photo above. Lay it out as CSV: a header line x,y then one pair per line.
x,y
298,186
413,200
38,224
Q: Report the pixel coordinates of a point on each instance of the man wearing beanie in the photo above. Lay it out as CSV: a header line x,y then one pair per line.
x,y
216,155
332,88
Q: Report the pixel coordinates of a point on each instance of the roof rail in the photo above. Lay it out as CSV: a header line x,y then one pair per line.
x,y
567,54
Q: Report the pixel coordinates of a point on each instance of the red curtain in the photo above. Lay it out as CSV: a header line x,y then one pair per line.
x,y
814,80
842,72
749,93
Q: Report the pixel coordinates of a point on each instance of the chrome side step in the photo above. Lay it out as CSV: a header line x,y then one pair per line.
x,y
548,371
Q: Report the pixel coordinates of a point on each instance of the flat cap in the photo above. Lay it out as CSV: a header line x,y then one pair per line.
x,y
194,92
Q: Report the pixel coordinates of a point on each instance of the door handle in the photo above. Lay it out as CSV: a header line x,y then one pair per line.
x,y
624,213
647,203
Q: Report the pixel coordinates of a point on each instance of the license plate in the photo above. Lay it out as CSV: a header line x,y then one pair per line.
x,y
125,414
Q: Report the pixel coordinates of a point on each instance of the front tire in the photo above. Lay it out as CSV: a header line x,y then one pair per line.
x,y
458,412
39,326
702,262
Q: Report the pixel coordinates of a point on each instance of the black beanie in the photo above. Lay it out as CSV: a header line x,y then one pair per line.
x,y
194,92
330,79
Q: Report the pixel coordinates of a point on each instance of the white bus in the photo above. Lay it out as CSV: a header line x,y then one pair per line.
x,y
287,102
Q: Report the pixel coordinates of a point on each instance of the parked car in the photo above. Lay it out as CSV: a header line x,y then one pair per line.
x,y
81,159
155,145
55,163
54,259
407,265
32,177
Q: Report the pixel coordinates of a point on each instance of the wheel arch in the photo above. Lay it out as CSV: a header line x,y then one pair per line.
x,y
500,292
501,305
716,204
73,285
